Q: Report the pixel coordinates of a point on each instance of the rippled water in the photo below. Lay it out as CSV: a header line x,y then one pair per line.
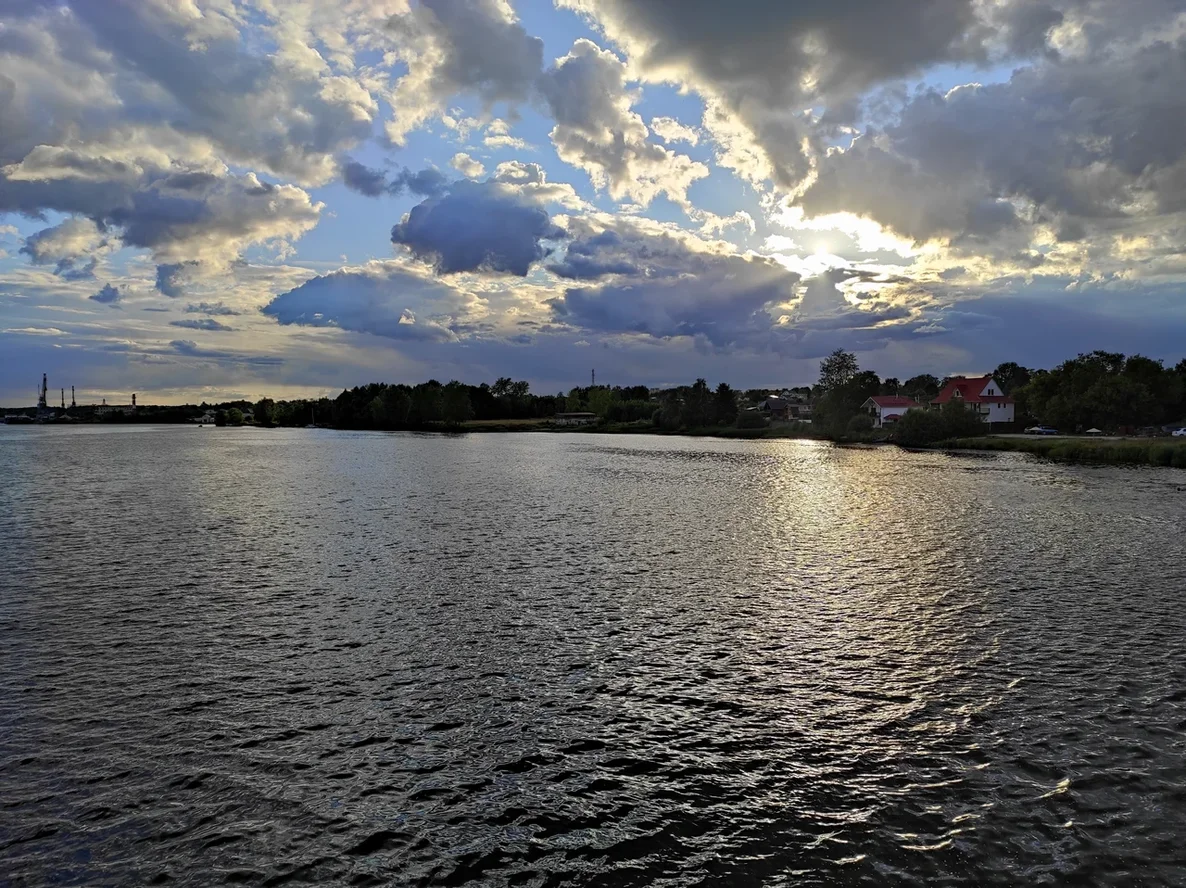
x,y
303,656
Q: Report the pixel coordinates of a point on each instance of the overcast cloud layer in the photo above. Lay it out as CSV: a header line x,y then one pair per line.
x,y
240,197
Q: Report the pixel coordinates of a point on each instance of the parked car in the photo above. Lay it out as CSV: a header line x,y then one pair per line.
x,y
1179,433
1041,430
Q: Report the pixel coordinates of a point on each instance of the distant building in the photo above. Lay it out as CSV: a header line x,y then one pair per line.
x,y
888,409
786,407
574,419
983,394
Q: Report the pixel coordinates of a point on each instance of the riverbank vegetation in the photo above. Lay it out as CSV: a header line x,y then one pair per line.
x,y
1151,452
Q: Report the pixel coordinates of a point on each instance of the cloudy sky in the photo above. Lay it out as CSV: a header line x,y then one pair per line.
x,y
216,198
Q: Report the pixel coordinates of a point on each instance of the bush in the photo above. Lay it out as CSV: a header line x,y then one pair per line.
x,y
751,419
860,424
921,427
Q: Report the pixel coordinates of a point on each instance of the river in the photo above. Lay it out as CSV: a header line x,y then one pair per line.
x,y
302,656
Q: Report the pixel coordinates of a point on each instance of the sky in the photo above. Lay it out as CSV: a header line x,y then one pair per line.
x,y
216,199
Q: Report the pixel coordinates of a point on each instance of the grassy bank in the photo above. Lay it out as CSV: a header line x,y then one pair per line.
x,y
1141,452
775,432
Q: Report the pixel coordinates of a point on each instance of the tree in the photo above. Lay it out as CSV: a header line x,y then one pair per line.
x,y
724,405
922,388
600,399
265,412
1012,376
837,369
456,406
890,386
220,418
845,387
234,416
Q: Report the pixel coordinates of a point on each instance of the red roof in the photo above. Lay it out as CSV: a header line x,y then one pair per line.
x,y
894,401
969,390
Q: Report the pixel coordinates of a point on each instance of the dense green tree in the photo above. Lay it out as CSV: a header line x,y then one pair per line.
x,y
918,428
922,388
724,404
234,416
599,400
1011,376
265,412
836,369
890,386
456,407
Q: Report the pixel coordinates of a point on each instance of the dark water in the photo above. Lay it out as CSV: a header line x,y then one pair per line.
x,y
272,657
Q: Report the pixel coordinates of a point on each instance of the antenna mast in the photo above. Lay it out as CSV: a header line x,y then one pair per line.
x,y
43,391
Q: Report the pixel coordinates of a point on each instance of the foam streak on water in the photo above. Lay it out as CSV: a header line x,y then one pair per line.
x,y
271,657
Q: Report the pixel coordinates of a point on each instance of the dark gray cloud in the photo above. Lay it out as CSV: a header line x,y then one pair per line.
x,y
477,226
170,278
109,294
663,286
201,324
86,70
382,299
1079,144
358,177
763,62
189,349
211,308
363,179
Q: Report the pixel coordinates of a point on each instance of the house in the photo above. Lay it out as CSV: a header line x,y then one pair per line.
x,y
888,409
982,394
786,407
575,419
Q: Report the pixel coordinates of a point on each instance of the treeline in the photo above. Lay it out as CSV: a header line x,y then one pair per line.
x,y
434,404
1104,390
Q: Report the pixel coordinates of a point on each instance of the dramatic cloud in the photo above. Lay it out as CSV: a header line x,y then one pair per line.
x,y
477,226
108,295
760,64
82,71
597,131
1069,148
66,247
459,46
663,283
383,299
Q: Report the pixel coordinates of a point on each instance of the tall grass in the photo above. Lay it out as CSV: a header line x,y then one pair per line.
x,y
1152,452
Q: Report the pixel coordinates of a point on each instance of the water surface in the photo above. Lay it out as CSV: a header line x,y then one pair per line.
x,y
291,656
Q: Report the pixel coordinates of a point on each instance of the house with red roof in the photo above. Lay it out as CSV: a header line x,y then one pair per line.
x,y
888,409
980,393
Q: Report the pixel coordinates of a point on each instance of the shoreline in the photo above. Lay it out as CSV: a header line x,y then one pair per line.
x,y
1159,452
1163,452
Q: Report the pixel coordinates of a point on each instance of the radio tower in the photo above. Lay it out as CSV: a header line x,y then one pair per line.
x,y
41,392
63,399
73,403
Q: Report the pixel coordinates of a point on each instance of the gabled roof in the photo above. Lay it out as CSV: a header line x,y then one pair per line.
x,y
968,389
894,401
